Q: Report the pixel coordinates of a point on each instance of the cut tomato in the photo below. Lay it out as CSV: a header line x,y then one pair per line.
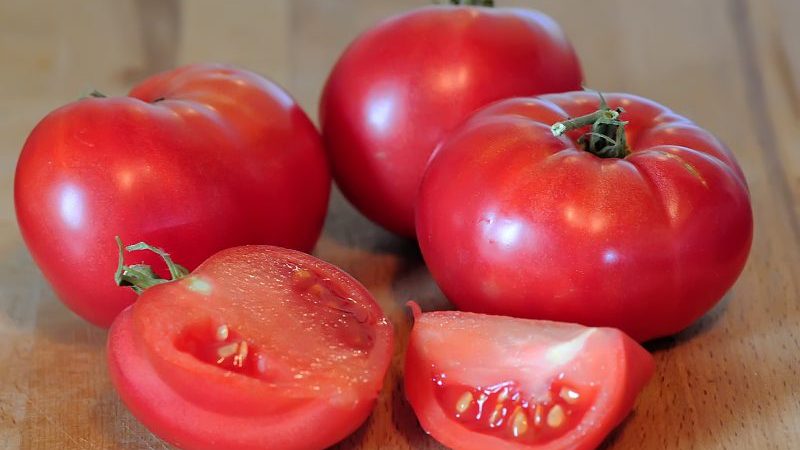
x,y
491,382
260,347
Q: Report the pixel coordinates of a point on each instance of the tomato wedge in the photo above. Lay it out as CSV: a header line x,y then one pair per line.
x,y
259,347
490,382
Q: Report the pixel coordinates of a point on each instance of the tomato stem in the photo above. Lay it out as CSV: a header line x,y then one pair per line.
x,y
94,93
607,138
141,276
488,3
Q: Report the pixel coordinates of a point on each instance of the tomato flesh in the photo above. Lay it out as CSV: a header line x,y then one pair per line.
x,y
262,333
478,381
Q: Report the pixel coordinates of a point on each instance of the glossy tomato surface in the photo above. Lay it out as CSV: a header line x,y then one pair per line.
x,y
195,160
512,220
401,86
260,347
481,382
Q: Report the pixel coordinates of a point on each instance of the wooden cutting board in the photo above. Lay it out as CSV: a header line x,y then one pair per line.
x,y
728,382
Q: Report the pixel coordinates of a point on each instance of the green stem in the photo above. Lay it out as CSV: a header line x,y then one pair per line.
x,y
141,276
94,93
488,3
607,136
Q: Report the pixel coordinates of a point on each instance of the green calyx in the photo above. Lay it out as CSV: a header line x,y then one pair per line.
x,y
607,136
141,276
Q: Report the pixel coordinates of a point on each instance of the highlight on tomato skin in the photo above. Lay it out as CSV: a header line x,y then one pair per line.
x,y
259,347
478,381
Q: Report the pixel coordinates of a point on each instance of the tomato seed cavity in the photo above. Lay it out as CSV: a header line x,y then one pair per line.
x,y
221,346
505,411
345,316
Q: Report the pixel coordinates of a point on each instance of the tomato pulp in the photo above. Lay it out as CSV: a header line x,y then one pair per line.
x,y
197,159
512,220
490,382
259,347
401,86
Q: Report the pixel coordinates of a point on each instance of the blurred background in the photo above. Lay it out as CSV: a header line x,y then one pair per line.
x,y
731,65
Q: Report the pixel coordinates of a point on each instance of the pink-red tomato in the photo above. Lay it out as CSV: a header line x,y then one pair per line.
x,y
490,382
259,347
514,221
197,159
401,86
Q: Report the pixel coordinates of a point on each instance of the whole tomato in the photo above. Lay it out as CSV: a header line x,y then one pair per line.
x,y
197,159
641,225
401,86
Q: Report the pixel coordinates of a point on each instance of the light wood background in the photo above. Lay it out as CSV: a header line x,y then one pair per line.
x,y
729,382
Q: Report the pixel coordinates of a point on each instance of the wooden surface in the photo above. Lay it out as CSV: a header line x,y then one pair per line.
x,y
728,382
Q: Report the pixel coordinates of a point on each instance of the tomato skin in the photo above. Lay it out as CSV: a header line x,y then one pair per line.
x,y
514,221
621,366
221,408
212,165
400,87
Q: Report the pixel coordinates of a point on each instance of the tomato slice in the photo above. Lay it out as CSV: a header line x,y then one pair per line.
x,y
259,347
478,381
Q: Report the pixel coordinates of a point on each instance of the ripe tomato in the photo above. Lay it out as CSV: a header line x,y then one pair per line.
x,y
259,347
515,221
197,159
489,382
401,86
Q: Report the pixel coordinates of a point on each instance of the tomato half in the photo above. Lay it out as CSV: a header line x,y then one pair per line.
x,y
491,382
197,159
512,220
260,347
401,86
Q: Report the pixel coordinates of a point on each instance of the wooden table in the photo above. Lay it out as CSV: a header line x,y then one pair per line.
x,y
728,382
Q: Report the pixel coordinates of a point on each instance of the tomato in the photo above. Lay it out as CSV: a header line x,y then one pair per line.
x,y
490,382
259,347
401,86
515,221
197,159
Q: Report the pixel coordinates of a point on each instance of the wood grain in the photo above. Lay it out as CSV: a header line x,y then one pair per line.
x,y
728,382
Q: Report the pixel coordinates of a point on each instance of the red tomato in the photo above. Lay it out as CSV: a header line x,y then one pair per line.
x,y
260,347
514,221
197,159
400,87
490,382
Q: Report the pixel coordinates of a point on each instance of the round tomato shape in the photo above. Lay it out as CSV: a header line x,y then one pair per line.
x,y
641,226
197,159
401,86
480,382
259,347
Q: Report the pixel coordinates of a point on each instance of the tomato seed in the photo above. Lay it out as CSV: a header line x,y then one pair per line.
x,y
569,396
464,402
519,422
222,333
556,416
